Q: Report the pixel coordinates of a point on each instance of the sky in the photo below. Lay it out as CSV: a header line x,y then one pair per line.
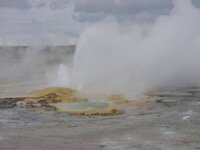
x,y
55,22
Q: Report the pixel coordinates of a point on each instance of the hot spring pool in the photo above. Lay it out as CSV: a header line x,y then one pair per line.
x,y
86,108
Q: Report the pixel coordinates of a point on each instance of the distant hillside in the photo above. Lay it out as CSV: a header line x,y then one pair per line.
x,y
48,54
43,49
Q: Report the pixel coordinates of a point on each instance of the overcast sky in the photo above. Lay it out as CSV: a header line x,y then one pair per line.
x,y
62,21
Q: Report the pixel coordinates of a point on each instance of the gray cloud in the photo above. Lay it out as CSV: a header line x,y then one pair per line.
x,y
89,10
122,6
86,10
39,18
20,4
60,4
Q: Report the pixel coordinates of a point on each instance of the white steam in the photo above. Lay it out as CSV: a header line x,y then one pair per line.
x,y
61,79
113,58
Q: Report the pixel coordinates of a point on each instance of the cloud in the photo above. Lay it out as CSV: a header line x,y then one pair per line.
x,y
33,20
121,6
19,4
122,10
38,24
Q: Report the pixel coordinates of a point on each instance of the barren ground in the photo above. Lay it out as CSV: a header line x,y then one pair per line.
x,y
170,121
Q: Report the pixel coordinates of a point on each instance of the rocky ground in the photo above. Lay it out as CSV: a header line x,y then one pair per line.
x,y
169,120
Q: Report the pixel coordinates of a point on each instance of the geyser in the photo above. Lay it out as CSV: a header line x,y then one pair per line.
x,y
130,60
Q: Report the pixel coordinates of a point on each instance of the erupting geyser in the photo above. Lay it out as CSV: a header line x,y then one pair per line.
x,y
130,60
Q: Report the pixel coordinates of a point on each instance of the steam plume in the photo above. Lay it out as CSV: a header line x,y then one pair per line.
x,y
130,60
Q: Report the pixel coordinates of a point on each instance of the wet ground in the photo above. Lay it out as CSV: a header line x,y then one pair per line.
x,y
169,120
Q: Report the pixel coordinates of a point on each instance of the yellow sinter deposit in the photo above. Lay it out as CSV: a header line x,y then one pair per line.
x,y
58,96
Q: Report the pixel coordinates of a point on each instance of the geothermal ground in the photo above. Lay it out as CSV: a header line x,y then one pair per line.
x,y
167,120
